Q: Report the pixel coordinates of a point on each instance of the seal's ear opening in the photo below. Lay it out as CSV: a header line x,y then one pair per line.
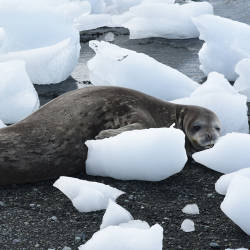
x,y
179,117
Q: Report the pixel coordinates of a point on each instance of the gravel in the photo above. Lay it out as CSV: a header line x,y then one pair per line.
x,y
56,224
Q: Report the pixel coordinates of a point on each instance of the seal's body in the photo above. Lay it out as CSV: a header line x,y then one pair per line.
x,y
50,142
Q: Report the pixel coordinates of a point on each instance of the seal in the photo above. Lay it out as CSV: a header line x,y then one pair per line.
x,y
51,142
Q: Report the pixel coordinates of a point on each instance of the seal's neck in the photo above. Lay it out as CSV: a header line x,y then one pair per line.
x,y
164,113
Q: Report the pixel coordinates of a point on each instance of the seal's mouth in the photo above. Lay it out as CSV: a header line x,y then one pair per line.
x,y
203,146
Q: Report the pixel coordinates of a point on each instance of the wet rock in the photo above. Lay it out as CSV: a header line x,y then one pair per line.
x,y
214,245
67,248
16,241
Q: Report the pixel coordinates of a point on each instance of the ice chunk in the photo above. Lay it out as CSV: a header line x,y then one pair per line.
x,y
87,196
236,249
120,238
224,181
109,37
88,22
135,224
53,54
229,154
115,215
191,209
226,43
219,96
161,19
187,226
97,6
18,97
113,65
149,154
236,204
242,83
2,37
2,125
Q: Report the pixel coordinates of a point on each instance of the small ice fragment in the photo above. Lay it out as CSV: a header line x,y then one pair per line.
x,y
115,215
187,226
191,209
87,196
109,37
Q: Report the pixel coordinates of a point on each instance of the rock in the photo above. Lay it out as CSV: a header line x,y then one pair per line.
x,y
53,218
16,241
214,245
67,248
80,237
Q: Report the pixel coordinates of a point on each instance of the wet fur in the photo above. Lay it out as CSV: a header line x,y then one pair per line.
x,y
50,142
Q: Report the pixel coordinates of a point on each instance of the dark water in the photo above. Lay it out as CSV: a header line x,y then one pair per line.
x,y
179,54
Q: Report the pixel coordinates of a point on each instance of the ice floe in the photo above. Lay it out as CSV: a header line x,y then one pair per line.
x,y
242,84
18,97
115,215
229,154
53,54
129,238
149,154
219,96
87,196
226,43
187,226
191,209
163,19
224,181
113,65
236,204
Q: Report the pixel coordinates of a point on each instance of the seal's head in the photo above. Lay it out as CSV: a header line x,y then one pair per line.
x,y
201,127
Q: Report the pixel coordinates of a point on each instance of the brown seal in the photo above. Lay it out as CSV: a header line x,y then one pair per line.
x,y
50,142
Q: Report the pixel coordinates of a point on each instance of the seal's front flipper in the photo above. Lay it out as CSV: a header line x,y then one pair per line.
x,y
113,132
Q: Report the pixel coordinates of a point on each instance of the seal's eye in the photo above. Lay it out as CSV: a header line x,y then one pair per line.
x,y
196,128
218,129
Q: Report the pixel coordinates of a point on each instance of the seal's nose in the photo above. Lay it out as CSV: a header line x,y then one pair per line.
x,y
209,137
